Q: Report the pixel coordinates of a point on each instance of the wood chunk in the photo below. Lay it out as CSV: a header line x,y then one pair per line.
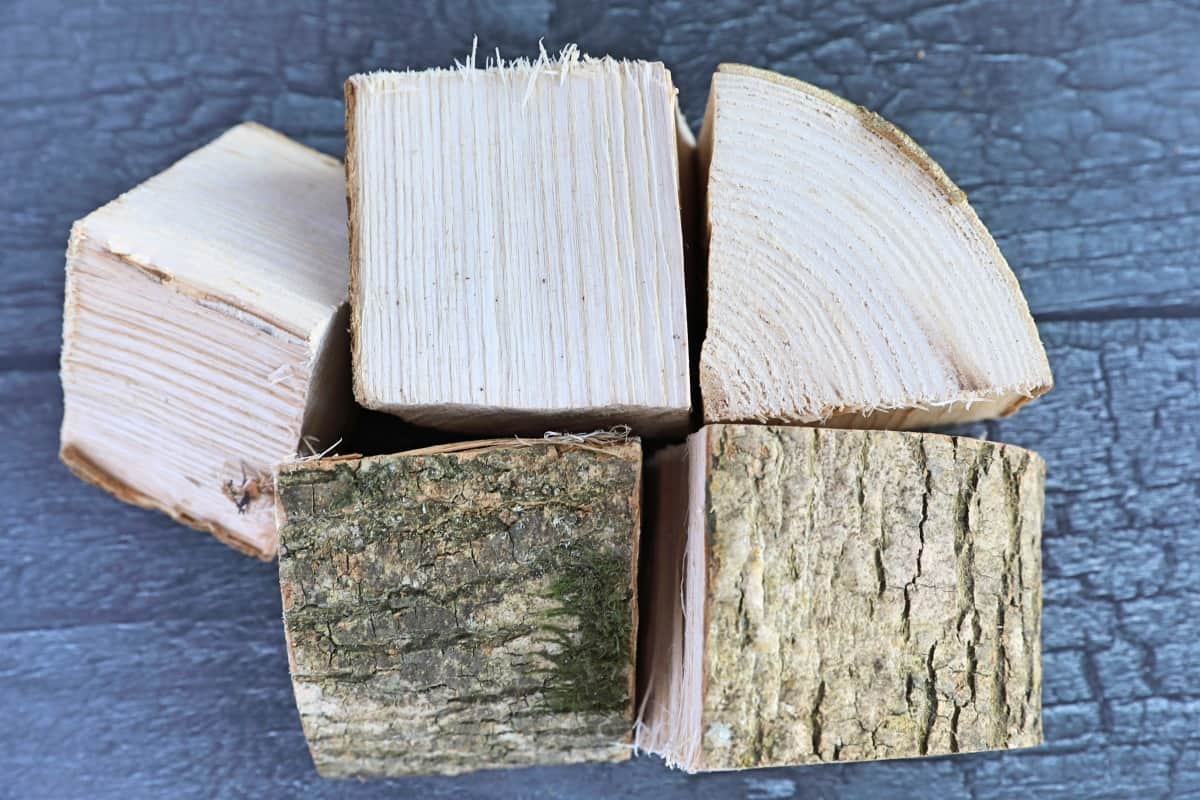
x,y
838,595
462,607
516,252
205,332
849,281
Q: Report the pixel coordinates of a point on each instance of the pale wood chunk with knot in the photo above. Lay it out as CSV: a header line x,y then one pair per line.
x,y
205,332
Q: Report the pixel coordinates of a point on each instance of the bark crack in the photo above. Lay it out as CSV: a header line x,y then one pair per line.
x,y
814,719
880,573
923,465
964,550
931,698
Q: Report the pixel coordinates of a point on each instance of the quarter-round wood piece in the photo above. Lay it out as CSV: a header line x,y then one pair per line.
x,y
850,282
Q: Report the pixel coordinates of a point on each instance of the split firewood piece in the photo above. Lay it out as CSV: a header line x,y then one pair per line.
x,y
516,250
462,607
849,282
205,332
833,595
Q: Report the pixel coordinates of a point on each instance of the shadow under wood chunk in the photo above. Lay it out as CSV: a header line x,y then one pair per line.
x,y
462,607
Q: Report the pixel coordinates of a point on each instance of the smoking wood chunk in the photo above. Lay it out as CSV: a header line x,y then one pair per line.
x,y
516,251
833,595
205,332
849,282
462,607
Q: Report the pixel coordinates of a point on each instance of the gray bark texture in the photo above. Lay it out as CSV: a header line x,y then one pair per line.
x,y
463,607
870,595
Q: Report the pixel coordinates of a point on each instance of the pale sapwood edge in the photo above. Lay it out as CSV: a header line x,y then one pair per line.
x,y
847,595
654,400
462,607
275,333
913,358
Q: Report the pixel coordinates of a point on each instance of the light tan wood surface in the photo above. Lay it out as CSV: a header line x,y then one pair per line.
x,y
205,332
516,249
849,282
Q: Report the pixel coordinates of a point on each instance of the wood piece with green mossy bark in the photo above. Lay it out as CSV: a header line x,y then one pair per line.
x,y
846,595
462,607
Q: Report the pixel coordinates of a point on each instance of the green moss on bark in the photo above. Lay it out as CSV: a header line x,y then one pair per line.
x,y
451,611
590,659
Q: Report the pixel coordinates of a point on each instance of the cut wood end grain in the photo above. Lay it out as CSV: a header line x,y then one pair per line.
x,y
205,332
462,607
832,595
516,250
850,283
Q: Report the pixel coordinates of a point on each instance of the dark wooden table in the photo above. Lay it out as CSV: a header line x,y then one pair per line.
x,y
139,659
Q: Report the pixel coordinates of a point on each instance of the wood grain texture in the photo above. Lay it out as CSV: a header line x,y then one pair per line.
x,y
864,595
849,282
516,250
462,608
249,219
204,332
140,660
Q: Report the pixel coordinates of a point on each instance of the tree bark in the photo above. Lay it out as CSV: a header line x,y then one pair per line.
x,y
868,595
462,607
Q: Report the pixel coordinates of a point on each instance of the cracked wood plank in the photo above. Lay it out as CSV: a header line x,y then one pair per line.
x,y
463,607
865,595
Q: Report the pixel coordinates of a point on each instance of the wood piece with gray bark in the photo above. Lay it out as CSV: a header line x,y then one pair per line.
x,y
836,595
462,607
204,332
849,281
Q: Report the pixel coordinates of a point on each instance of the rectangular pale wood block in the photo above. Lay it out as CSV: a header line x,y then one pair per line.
x,y
846,595
516,249
462,607
205,332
